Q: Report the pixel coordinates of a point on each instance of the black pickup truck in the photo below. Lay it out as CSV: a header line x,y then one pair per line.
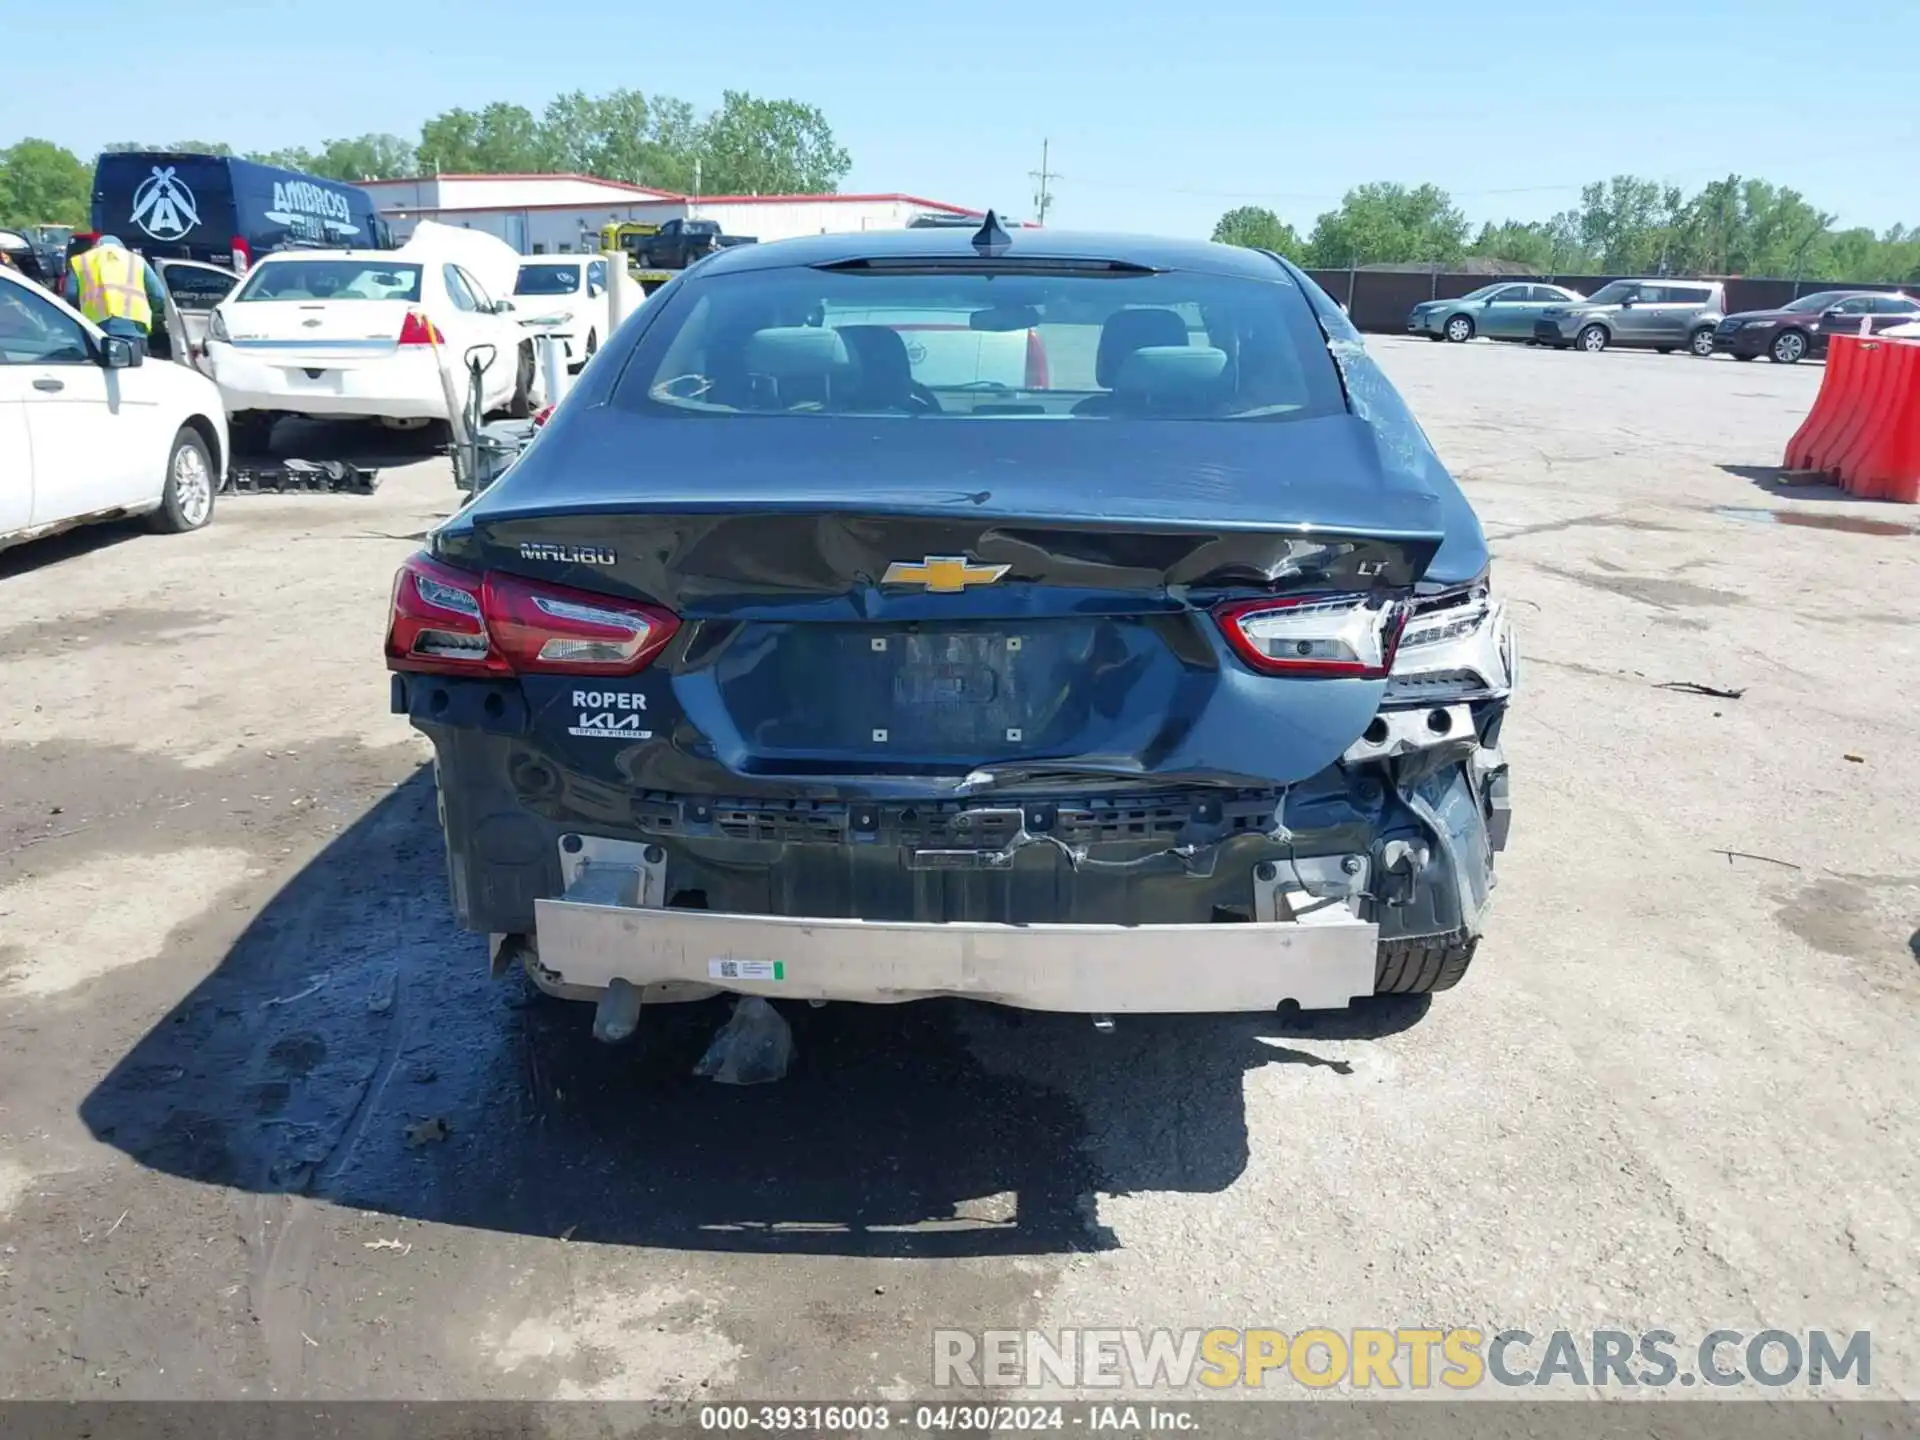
x,y
681,242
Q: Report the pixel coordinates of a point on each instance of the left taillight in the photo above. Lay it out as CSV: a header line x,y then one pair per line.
x,y
447,621
217,326
1315,635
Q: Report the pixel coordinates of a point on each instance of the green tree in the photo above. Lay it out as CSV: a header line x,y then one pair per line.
x,y
768,147
1260,229
1748,227
1547,247
1383,221
290,157
191,147
373,156
501,139
42,183
1626,224
622,136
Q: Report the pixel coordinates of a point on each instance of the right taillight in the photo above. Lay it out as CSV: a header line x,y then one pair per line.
x,y
447,621
242,256
1315,635
417,329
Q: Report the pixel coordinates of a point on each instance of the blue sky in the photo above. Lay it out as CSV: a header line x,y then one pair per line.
x,y
1161,115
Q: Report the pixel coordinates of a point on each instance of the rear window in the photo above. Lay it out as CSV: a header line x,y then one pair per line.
x,y
547,280
985,343
195,288
331,280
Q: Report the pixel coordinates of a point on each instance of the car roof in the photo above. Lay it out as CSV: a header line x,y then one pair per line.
x,y
940,242
281,257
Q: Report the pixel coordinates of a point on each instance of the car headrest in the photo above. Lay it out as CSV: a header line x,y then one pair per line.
x,y
886,371
1162,373
1130,330
877,348
797,352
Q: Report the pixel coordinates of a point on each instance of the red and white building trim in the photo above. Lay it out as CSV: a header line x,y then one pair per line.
x,y
559,214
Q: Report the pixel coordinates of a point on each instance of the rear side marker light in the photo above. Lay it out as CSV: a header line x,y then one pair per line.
x,y
446,621
1315,635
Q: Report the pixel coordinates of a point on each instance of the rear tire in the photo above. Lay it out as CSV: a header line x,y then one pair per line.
x,y
1424,965
1701,342
1663,349
187,501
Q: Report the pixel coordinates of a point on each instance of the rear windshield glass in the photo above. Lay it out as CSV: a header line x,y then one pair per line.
x,y
331,280
547,280
965,343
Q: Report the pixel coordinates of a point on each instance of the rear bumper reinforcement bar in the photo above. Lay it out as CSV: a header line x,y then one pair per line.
x,y
1106,969
611,925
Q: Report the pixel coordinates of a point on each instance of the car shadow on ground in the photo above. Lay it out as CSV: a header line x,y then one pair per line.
x,y
365,443
68,545
350,1046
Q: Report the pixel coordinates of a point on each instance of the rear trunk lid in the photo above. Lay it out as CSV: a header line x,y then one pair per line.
x,y
334,334
1017,593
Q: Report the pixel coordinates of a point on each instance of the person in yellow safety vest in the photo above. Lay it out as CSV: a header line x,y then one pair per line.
x,y
117,289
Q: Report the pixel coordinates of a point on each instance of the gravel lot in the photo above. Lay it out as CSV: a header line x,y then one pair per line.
x,y
1676,1091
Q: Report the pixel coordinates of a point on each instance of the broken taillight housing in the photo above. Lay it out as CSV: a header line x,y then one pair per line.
x,y
1458,645
417,329
447,621
1315,635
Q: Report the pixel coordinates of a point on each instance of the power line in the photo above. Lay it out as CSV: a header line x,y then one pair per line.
x,y
1043,178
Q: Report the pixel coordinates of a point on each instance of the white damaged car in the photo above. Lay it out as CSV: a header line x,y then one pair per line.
x,y
363,334
565,296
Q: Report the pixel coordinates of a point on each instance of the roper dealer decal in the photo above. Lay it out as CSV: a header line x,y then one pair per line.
x,y
609,715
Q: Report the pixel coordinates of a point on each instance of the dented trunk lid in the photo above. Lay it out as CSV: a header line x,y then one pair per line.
x,y
960,595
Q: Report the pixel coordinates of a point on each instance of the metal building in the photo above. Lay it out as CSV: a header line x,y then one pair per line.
x,y
561,214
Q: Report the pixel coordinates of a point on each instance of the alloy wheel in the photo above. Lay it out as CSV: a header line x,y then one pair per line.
x,y
192,485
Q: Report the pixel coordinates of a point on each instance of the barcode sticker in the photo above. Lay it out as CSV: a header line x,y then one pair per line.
x,y
747,969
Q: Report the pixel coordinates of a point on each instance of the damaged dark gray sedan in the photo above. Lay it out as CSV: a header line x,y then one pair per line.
x,y
1073,622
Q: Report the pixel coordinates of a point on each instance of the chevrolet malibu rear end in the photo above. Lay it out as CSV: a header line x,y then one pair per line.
x,y
1163,676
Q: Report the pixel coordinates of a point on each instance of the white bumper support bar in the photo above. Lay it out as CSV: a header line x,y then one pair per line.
x,y
609,926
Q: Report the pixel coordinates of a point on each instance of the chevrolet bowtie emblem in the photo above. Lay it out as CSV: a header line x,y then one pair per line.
x,y
943,574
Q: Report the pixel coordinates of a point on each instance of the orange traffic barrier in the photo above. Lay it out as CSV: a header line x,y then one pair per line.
x,y
1809,441
1889,469
1864,427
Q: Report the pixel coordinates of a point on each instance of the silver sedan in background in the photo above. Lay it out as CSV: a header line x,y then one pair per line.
x,y
1505,310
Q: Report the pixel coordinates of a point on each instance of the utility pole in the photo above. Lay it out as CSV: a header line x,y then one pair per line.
x,y
1044,178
